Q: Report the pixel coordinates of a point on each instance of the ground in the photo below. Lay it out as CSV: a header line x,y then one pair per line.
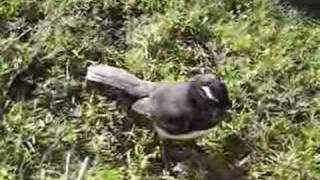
x,y
268,54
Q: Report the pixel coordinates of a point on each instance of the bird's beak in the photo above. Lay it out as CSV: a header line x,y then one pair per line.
x,y
208,93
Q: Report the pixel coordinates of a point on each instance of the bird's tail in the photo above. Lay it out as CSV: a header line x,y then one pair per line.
x,y
119,78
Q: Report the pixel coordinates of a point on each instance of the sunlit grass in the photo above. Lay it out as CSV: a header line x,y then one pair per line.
x,y
268,55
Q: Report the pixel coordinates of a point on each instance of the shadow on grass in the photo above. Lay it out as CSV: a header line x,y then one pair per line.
x,y
190,161
310,7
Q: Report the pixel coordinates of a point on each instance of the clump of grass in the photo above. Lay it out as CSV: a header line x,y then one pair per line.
x,y
269,56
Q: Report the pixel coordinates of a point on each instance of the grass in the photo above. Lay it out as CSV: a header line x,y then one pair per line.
x,y
269,56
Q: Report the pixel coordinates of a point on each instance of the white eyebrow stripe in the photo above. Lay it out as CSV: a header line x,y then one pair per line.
x,y
207,90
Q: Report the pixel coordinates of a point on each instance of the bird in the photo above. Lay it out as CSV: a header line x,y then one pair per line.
x,y
178,111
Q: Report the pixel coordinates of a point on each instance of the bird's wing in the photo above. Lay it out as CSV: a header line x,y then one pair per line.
x,y
143,107
144,90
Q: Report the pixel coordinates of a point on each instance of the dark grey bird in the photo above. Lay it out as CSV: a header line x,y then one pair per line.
x,y
178,111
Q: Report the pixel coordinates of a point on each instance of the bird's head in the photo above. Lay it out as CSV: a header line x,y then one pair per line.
x,y
210,90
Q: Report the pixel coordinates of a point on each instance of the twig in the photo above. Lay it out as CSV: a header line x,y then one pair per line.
x,y
66,174
243,161
83,168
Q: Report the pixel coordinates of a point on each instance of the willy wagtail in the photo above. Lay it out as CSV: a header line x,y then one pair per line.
x,y
178,111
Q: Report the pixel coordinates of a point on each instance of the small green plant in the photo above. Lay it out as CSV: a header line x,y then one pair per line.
x,y
106,173
3,66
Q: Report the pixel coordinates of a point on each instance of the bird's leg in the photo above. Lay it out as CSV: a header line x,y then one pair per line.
x,y
172,152
164,147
